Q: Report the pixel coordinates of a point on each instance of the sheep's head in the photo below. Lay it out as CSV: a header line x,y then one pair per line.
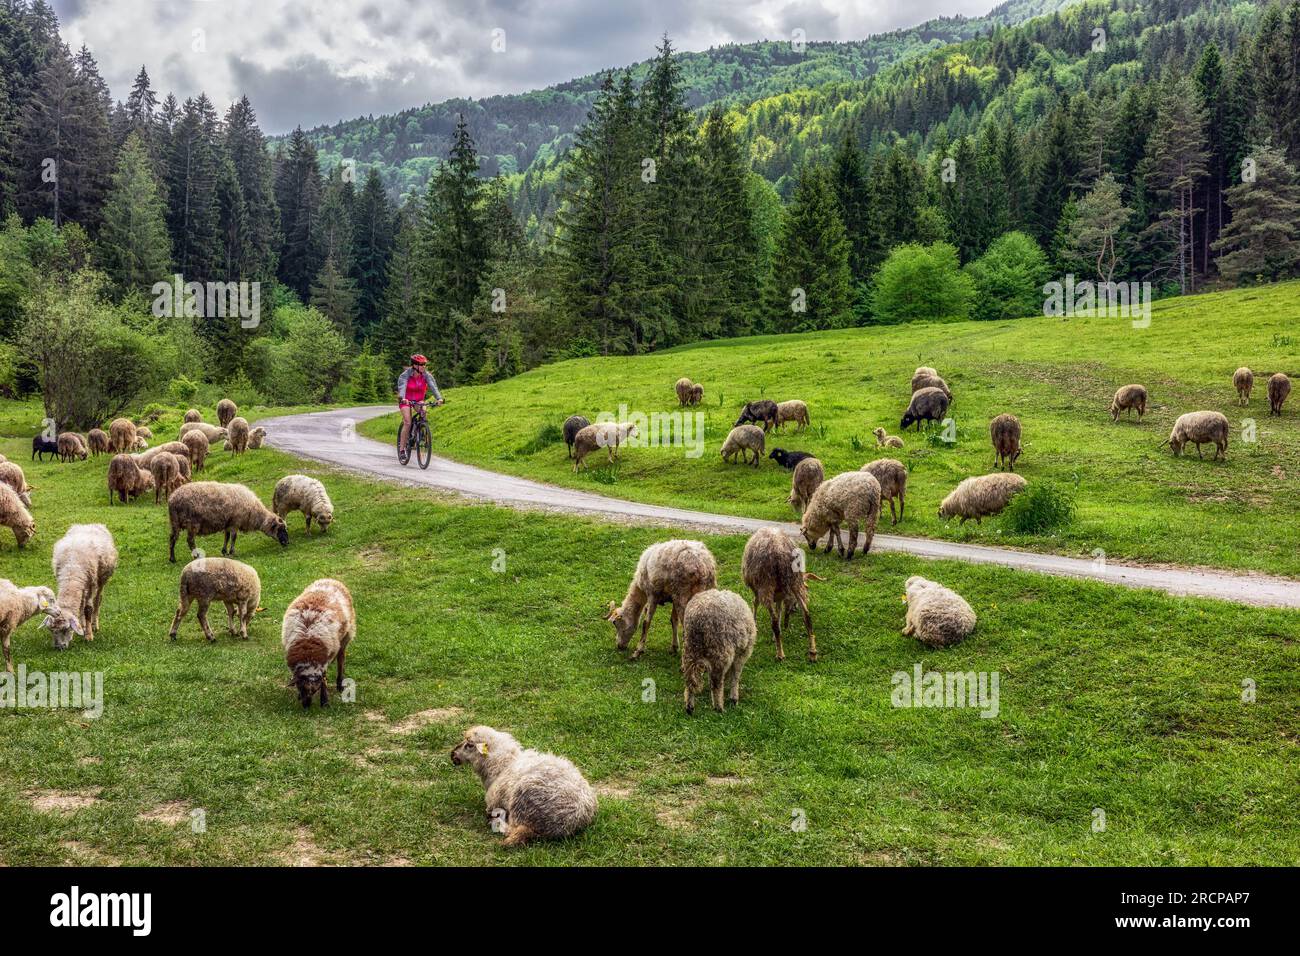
x,y
946,508
308,678
62,624
274,527
324,519
25,532
481,743
624,625
812,528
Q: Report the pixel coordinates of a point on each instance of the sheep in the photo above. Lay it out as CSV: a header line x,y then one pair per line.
x,y
1243,380
927,405
166,475
11,474
981,496
697,393
127,479
14,516
1279,387
892,475
884,440
763,411
572,425
718,634
233,583
607,435
237,435
852,498
1200,428
169,447
183,463
318,627
788,459
931,381
121,435
1127,398
808,476
143,431
936,616
1004,432
740,441
683,389
256,437
84,561
193,415
71,446
305,494
97,438
529,794
773,568
140,443
42,446
670,572
212,433
206,507
226,410
17,607
792,411
922,371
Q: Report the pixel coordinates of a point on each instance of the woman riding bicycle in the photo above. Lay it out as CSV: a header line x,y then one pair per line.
x,y
413,385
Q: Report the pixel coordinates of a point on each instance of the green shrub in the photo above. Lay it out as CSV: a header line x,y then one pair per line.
x,y
181,391
1041,508
922,282
1009,278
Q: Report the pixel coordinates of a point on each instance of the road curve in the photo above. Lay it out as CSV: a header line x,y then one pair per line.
x,y
331,437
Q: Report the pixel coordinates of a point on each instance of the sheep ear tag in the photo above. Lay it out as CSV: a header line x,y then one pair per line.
x,y
43,603
483,749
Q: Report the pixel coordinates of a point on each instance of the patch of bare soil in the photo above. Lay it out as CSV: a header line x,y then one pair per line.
x,y
168,814
437,715
55,801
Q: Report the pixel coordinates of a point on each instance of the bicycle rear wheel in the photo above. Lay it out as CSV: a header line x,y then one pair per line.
x,y
424,445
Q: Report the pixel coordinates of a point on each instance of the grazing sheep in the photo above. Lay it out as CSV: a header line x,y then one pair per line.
x,y
981,496
17,607
1127,399
121,435
670,572
1200,428
84,559
529,794
166,475
318,627
305,494
884,440
792,411
15,516
936,616
740,441
683,390
183,463
1279,387
572,425
226,410
763,411
127,479
807,478
852,498
1243,380
42,446
773,568
697,393
718,633
168,447
233,583
140,443
193,415
922,371
892,475
196,445
256,437
143,431
607,435
1004,432
788,459
212,433
12,475
931,381
206,507
927,405
71,447
97,438
237,435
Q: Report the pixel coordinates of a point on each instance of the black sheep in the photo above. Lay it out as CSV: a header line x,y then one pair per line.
x,y
763,411
43,446
572,425
788,459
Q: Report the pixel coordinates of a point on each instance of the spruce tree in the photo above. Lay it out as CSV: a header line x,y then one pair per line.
x,y
298,190
372,244
1263,239
246,148
810,284
134,247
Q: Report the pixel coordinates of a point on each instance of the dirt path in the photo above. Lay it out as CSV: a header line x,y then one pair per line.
x,y
331,437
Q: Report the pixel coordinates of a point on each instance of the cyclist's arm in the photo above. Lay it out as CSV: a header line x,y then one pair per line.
x,y
401,383
433,385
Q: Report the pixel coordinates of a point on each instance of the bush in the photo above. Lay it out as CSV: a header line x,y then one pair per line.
x,y
1041,508
8,371
922,282
181,391
1009,278
241,390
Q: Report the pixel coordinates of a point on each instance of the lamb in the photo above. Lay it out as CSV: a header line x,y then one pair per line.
x,y
683,389
670,572
773,568
97,438
196,444
718,637
84,560
121,435
256,437
17,607
927,405
11,474
212,433
318,627
740,441
936,616
892,475
127,479
788,459
1200,428
1279,387
237,432
233,583
529,794
1127,398
193,415
572,425
922,371
206,507
763,411
42,446
697,393
1243,380
807,478
166,475
981,496
886,441
71,446
1004,432
15,516
305,494
852,498
226,411
792,411
931,381
608,435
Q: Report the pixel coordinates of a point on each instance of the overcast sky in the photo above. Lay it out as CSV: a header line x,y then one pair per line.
x,y
318,61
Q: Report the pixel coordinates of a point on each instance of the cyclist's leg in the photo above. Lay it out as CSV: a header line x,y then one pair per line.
x,y
406,426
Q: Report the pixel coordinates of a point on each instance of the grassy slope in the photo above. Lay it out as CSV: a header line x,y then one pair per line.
x,y
1115,699
1136,502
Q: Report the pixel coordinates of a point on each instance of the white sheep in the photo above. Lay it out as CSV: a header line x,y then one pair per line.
x,y
981,496
936,616
670,572
852,498
305,494
718,634
318,627
17,606
741,440
15,516
84,561
607,435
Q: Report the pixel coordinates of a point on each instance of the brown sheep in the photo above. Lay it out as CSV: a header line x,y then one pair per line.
x,y
15,517
183,462
922,372
193,415
892,475
197,445
1200,428
773,568
1004,431
127,479
607,435
1127,399
121,435
226,410
792,411
884,440
237,431
71,447
206,507
670,572
97,439
233,583
166,475
1243,380
1279,387
808,476
683,389
318,627
718,633
927,405
697,393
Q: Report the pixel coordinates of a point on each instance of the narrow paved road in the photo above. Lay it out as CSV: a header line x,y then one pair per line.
x,y
331,437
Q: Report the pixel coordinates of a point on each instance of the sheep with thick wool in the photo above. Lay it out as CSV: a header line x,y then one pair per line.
x,y
683,390
196,445
931,381
226,411
892,475
772,567
744,440
1279,387
852,499
11,474
126,479
193,415
213,433
1243,380
1129,398
306,494
670,572
1004,433
1200,428
15,516
84,561
206,507
922,372
936,616
71,447
237,434
233,583
318,627
256,437
718,634
121,435
792,411
97,440
166,475
697,393
927,405
807,478
572,425
607,435
18,605
982,496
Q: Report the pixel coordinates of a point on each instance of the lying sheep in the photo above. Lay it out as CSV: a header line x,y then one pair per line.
x,y
71,447
742,440
226,411
572,425
318,627
237,434
608,435
305,494
927,405
196,445
1127,399
981,497
936,616
670,572
1243,380
121,435
97,439
852,498
206,507
886,441
892,475
807,478
683,390
773,568
697,393
788,459
922,372
212,433
16,517
166,475
792,411
1004,432
529,794
256,437
1279,387
763,411
233,583
11,474
1200,428
193,415
17,607
84,560
127,479
42,446
718,633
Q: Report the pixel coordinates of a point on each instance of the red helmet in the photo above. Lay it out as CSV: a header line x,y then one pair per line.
x,y
418,359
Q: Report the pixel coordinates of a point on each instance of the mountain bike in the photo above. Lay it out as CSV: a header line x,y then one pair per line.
x,y
420,439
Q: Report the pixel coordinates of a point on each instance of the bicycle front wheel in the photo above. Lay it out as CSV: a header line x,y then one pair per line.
x,y
424,446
